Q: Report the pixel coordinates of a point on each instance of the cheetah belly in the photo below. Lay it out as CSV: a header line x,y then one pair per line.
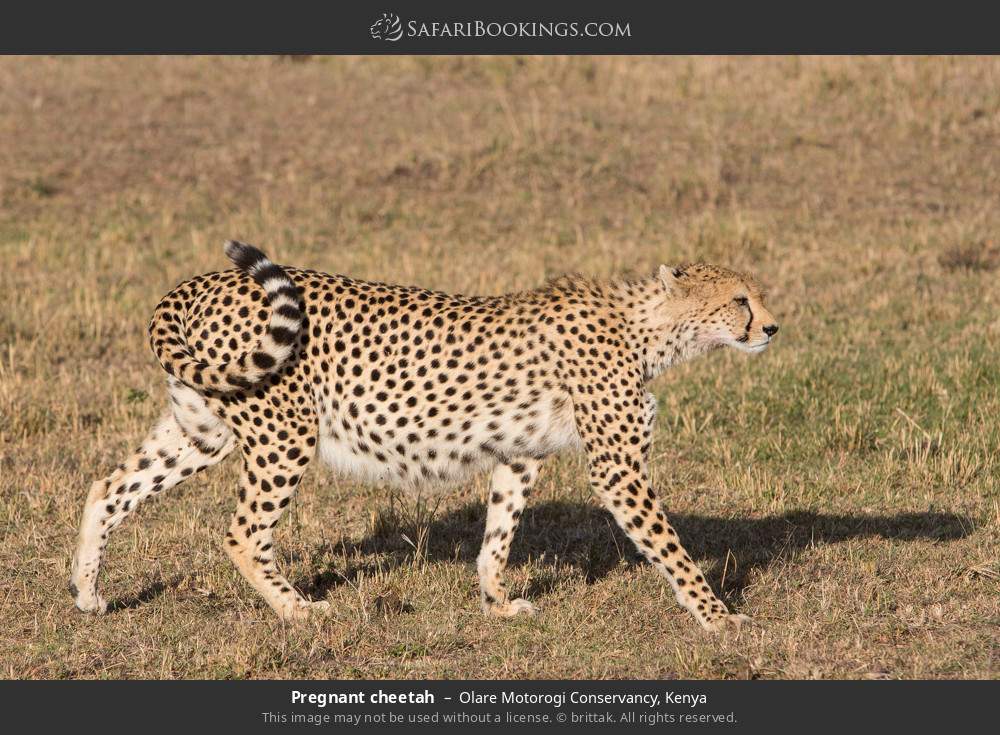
x,y
438,455
341,457
559,428
427,462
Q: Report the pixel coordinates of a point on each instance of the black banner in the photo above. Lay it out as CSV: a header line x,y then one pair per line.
x,y
451,706
451,27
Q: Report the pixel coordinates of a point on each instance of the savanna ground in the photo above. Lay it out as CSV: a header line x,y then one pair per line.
x,y
842,489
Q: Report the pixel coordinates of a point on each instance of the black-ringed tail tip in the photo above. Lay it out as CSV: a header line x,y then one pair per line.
x,y
249,358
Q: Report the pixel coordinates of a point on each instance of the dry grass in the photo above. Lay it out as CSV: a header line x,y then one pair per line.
x,y
841,489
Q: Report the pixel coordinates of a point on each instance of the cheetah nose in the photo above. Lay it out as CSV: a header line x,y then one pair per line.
x,y
771,329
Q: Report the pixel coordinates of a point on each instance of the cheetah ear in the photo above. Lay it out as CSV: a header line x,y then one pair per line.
x,y
669,277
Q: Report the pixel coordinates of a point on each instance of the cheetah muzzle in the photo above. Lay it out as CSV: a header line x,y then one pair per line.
x,y
411,387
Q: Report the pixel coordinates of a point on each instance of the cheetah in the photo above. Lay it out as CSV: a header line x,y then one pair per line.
x,y
411,387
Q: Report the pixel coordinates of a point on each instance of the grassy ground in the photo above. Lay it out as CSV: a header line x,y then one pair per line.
x,y
842,489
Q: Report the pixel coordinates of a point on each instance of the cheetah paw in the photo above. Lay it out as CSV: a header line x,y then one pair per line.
x,y
510,609
305,610
731,622
89,602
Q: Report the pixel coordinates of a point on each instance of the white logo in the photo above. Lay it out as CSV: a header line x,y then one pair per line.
x,y
387,28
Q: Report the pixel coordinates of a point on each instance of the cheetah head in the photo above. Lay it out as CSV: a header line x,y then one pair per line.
x,y
725,308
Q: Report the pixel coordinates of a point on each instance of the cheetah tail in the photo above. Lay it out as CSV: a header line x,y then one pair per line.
x,y
263,358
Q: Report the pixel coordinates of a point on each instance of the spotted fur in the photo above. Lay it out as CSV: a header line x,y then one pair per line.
x,y
405,386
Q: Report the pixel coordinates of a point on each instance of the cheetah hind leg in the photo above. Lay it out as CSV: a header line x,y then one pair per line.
x,y
167,457
265,492
510,485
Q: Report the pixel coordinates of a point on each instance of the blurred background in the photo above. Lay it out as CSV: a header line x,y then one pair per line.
x,y
841,489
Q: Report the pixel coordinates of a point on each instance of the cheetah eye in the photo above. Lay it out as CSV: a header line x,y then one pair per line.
x,y
742,300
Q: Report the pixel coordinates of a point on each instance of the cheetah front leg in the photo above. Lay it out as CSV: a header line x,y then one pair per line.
x,y
509,488
617,447
658,542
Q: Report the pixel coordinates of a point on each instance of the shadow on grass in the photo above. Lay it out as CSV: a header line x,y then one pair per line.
x,y
586,537
147,594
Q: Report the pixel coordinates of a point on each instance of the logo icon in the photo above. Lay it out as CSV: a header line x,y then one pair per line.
x,y
387,28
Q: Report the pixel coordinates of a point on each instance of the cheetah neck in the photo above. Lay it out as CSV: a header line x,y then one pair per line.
x,y
661,330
